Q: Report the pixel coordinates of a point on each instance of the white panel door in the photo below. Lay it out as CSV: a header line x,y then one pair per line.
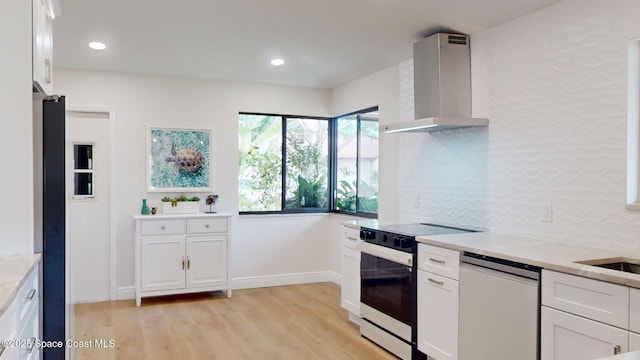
x,y
437,316
350,290
89,217
163,263
206,261
568,337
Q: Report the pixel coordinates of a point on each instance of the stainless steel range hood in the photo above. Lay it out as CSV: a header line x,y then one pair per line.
x,y
442,86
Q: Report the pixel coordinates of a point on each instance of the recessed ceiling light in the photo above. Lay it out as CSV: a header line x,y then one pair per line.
x,y
277,62
97,45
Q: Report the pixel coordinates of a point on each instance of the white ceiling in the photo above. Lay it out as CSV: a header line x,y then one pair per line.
x,y
326,43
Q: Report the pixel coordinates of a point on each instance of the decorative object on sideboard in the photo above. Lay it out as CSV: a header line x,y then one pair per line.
x,y
145,209
211,200
178,160
180,205
154,210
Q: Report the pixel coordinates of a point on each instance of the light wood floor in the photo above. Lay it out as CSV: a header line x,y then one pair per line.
x,y
285,322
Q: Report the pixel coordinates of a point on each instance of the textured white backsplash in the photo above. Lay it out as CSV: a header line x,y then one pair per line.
x,y
553,85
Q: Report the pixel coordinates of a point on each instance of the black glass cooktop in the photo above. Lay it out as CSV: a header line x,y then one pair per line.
x,y
419,229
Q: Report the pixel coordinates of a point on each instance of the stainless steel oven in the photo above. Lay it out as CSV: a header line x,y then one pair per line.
x,y
386,308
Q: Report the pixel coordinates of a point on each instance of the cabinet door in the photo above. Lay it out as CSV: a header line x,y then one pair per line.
x,y
163,263
206,261
350,290
437,315
568,337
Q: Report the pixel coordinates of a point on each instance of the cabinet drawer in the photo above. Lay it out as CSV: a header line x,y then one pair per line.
x,y
29,332
350,237
203,226
8,325
440,261
28,294
634,310
593,299
161,227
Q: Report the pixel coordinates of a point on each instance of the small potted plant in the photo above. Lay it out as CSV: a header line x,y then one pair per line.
x,y
180,205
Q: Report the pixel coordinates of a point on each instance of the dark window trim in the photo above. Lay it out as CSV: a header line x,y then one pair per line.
x,y
333,166
283,167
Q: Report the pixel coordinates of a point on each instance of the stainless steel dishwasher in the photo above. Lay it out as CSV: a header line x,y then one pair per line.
x,y
498,309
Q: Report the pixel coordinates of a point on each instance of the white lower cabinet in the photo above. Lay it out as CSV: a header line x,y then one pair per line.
x,y
350,288
181,254
438,295
585,318
350,294
20,321
437,315
568,337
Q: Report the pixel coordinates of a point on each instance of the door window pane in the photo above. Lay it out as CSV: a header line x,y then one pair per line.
x,y
83,171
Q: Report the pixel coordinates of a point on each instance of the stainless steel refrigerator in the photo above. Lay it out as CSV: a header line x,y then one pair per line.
x,y
49,216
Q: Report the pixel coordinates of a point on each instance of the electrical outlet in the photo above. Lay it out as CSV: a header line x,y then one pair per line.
x,y
548,213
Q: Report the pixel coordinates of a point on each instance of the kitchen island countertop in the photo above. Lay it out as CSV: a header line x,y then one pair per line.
x,y
552,255
13,271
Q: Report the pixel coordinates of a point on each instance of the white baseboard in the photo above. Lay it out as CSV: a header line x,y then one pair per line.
x,y
128,292
125,293
285,279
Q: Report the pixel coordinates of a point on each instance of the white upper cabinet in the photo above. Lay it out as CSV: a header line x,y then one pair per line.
x,y
43,14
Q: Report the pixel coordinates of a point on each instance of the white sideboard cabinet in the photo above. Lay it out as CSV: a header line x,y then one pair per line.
x,y
182,253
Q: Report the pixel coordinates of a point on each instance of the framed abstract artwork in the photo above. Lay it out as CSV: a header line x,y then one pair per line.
x,y
178,160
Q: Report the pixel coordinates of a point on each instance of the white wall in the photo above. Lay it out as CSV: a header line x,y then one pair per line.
x,y
553,84
378,89
141,101
16,128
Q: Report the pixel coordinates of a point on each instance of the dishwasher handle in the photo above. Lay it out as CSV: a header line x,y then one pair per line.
x,y
506,266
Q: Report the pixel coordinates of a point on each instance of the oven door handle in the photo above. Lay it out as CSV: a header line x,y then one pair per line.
x,y
386,253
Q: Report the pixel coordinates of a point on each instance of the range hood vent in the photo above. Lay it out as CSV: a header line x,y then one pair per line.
x,y
442,86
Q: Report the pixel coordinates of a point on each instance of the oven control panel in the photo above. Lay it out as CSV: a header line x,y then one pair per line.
x,y
387,239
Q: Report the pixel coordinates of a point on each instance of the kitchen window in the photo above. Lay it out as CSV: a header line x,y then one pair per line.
x,y
294,164
356,166
283,163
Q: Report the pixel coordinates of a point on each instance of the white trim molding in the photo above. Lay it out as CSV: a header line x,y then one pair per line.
x,y
285,279
633,126
113,216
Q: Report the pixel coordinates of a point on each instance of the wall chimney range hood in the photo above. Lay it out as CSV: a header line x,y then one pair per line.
x,y
442,86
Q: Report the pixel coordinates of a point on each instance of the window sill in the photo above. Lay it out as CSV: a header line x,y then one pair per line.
x,y
278,215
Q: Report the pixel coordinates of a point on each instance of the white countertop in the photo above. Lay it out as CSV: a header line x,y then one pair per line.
x,y
181,216
545,254
13,270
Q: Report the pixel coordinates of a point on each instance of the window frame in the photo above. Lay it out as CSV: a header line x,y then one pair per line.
x,y
332,166
90,170
283,167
